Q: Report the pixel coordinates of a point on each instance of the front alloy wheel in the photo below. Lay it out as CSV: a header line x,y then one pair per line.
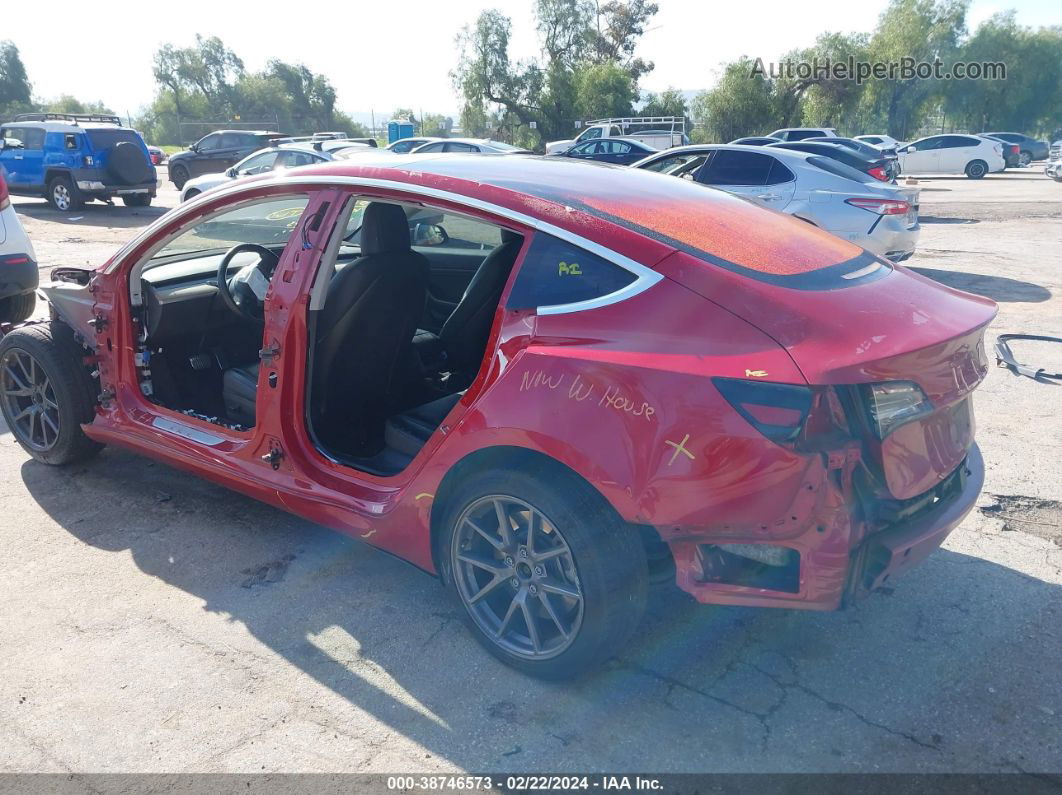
x,y
517,578
29,400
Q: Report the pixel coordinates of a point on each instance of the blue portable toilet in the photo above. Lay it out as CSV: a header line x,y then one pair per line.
x,y
398,129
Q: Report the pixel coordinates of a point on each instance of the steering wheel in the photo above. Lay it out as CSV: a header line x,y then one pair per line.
x,y
244,294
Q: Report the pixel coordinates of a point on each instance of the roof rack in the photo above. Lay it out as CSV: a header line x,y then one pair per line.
x,y
96,118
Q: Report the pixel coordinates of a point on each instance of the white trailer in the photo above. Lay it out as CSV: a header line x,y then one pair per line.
x,y
660,132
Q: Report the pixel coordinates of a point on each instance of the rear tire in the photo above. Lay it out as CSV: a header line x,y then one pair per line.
x,y
16,308
976,169
137,200
63,195
46,393
1025,158
178,176
582,579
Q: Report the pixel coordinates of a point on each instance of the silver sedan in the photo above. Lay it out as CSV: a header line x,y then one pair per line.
x,y
881,218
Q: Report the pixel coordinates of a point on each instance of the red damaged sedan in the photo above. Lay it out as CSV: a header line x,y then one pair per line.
x,y
546,382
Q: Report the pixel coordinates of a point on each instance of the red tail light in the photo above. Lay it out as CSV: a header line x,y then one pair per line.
x,y
878,172
1015,149
881,206
778,411
5,199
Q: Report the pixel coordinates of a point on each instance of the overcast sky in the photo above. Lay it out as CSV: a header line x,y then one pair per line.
x,y
383,55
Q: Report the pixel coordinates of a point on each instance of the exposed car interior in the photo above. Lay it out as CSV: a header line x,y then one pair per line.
x,y
400,316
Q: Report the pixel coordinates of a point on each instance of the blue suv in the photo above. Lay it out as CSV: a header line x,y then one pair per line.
x,y
73,158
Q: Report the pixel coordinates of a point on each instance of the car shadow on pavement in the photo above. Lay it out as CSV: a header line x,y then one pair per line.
x,y
998,288
117,216
955,669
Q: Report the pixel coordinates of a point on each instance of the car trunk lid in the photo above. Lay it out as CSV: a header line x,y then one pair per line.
x,y
896,327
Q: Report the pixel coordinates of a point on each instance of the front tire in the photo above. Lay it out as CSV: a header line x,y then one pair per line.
x,y
16,308
551,581
63,196
976,169
46,394
178,176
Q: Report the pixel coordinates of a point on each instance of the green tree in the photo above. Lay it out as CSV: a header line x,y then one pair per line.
x,y
667,103
740,104
15,89
604,90
68,104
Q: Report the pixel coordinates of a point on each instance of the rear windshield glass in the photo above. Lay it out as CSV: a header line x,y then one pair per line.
x,y
841,170
103,138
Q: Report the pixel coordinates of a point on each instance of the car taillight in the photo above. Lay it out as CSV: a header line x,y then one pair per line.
x,y
878,172
881,206
5,197
1014,149
892,403
778,411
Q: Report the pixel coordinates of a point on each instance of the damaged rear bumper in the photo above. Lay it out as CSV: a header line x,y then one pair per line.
x,y
836,557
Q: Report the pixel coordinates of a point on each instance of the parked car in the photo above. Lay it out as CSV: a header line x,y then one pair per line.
x,y
1011,152
264,161
880,141
762,140
70,159
217,151
878,167
158,157
952,154
800,133
621,151
667,367
1053,168
873,153
881,218
659,132
406,145
466,145
18,263
1030,148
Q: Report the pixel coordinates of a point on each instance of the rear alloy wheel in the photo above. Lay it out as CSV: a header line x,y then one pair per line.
x,y
178,176
977,169
1025,158
16,308
552,582
63,196
46,393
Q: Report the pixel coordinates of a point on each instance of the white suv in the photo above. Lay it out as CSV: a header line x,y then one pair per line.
x,y
800,133
971,155
18,264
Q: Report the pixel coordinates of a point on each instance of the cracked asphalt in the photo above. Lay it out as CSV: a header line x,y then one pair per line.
x,y
152,622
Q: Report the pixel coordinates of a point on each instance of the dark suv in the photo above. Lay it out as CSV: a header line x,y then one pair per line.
x,y
73,158
214,153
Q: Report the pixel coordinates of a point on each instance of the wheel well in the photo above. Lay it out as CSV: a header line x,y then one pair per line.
x,y
52,173
502,457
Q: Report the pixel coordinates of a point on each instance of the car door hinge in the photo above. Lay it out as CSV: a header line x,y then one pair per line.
x,y
267,355
274,456
99,322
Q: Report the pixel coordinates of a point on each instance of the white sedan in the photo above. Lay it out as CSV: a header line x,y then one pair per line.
x,y
971,155
880,217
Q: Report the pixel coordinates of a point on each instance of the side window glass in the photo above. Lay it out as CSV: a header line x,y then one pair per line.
x,y
70,141
210,142
231,141
594,133
730,167
267,223
779,174
34,139
556,272
259,164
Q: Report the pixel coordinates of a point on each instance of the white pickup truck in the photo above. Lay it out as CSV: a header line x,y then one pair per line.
x,y
660,132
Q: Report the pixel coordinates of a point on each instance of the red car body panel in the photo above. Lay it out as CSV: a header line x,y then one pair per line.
x,y
622,394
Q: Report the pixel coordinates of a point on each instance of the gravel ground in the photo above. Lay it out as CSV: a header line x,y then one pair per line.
x,y
152,622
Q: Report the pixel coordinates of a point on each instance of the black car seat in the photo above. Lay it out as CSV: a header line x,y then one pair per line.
x,y
364,334
463,337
